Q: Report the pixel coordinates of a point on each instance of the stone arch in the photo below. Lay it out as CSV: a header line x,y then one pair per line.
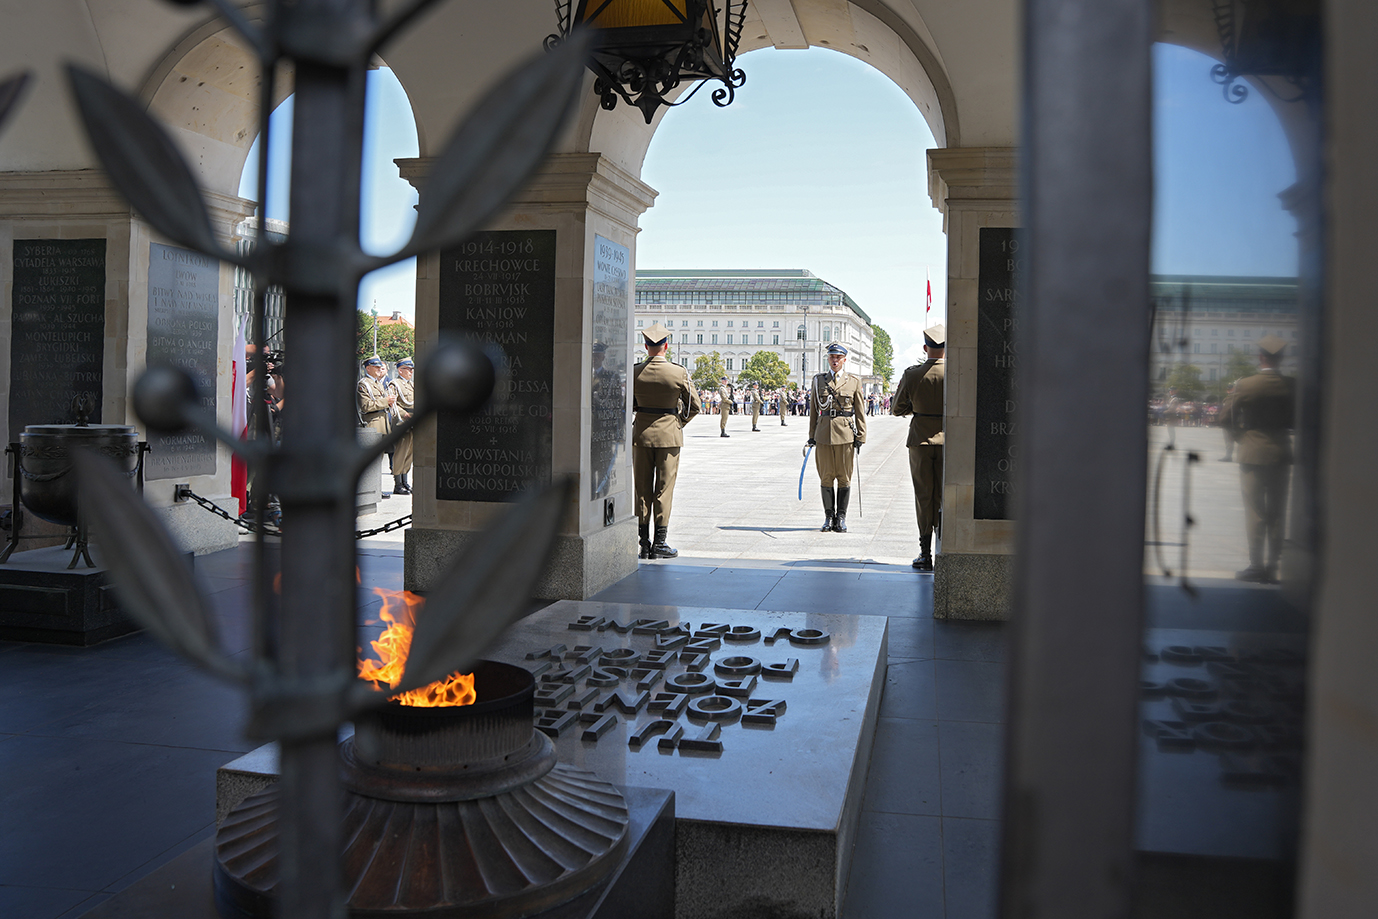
x,y
868,30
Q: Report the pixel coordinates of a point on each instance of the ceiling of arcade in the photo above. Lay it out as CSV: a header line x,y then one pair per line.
x,y
954,58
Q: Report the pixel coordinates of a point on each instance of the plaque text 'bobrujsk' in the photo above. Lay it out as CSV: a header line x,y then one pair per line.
x,y
996,369
499,287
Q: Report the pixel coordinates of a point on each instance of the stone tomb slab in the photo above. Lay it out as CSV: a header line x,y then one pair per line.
x,y
42,600
760,722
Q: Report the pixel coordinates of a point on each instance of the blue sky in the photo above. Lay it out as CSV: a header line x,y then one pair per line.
x,y
820,164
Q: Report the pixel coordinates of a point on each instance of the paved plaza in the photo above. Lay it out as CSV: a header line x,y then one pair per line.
x,y
738,497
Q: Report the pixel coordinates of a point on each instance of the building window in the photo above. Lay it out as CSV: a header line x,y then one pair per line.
x,y
1215,331
1248,333
640,323
729,323
684,323
775,339
1230,347
715,323
729,363
775,324
700,323
761,323
827,334
729,338
1230,332
1214,347
1212,374
700,341
1197,348
760,339
800,334
684,338
715,338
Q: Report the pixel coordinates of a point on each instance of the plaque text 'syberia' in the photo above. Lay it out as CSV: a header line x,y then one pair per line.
x,y
301,678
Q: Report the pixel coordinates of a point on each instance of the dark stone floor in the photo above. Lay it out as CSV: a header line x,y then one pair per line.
x,y
109,753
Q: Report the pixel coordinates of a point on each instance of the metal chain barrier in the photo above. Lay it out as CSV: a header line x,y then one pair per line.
x,y
270,530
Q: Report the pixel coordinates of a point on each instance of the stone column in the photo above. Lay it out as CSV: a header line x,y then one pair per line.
x,y
580,196
973,187
68,205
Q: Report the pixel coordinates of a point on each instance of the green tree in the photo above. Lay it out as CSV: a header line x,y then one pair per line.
x,y
708,370
1186,379
766,368
1240,365
396,340
882,354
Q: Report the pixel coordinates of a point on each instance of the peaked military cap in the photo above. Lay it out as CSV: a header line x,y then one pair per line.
x,y
1271,345
935,336
405,362
374,361
837,348
656,334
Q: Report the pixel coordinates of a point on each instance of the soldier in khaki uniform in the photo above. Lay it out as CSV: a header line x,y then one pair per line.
x,y
664,401
404,391
757,402
725,406
374,399
920,394
837,424
1260,414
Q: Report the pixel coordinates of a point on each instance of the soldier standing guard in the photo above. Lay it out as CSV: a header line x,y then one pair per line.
x,y
404,391
756,403
664,401
837,425
725,406
1260,416
920,393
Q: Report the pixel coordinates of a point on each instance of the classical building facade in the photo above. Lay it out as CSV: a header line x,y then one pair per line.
x,y
790,312
1204,320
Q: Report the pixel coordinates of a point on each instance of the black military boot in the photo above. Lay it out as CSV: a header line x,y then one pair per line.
x,y
660,549
829,510
399,485
925,560
643,530
844,497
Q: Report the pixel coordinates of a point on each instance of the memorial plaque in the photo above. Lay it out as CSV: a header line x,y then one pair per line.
x,y
996,366
499,287
57,345
608,389
183,326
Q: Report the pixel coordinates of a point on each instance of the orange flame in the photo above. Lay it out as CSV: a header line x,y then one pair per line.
x,y
399,611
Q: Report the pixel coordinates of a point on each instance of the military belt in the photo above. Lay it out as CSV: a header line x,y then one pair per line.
x,y
834,413
658,411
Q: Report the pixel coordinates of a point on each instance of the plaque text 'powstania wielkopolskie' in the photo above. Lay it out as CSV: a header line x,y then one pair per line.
x,y
499,288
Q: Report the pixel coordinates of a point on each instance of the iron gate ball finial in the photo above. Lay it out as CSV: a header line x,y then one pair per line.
x,y
162,397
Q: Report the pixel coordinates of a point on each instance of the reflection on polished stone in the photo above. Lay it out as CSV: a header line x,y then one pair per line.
x,y
760,722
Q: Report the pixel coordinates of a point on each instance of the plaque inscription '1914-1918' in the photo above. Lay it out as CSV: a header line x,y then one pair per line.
x,y
996,367
183,327
608,388
499,288
57,345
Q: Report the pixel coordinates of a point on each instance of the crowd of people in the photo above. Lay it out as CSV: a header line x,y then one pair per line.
x,y
790,400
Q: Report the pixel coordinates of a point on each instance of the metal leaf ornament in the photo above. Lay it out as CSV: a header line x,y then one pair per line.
x,y
495,150
144,163
486,589
149,574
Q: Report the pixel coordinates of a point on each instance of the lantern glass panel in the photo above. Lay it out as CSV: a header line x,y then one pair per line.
x,y
621,14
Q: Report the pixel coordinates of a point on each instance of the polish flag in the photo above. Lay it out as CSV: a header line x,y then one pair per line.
x,y
929,284
239,418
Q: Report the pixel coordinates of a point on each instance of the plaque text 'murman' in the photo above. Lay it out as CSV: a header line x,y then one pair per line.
x,y
57,345
996,364
499,287
183,324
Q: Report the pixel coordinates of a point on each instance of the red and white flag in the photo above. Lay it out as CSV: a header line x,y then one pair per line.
x,y
239,417
928,283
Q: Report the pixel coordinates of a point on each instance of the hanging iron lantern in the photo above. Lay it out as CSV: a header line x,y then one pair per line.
x,y
1267,38
647,48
